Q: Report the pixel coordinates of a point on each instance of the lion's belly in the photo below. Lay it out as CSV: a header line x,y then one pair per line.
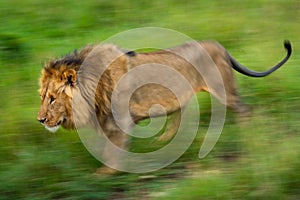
x,y
156,100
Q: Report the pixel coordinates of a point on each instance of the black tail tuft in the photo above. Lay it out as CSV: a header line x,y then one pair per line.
x,y
288,46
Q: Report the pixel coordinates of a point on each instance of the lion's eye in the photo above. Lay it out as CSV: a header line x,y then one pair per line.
x,y
52,99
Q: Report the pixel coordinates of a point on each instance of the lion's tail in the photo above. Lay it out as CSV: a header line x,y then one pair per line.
x,y
244,70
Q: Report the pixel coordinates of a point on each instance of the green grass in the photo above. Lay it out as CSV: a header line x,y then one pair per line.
x,y
257,159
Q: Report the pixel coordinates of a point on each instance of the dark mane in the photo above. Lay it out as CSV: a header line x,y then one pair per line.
x,y
72,60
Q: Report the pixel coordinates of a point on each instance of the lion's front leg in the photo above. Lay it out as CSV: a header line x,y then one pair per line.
x,y
172,126
112,154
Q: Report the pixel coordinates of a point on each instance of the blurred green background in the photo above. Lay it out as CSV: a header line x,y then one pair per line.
x,y
257,159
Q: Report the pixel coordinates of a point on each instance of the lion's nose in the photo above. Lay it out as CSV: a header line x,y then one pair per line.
x,y
42,120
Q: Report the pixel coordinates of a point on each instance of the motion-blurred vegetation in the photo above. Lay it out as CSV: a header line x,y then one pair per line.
x,y
257,159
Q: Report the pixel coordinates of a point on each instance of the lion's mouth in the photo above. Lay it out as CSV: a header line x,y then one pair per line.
x,y
54,128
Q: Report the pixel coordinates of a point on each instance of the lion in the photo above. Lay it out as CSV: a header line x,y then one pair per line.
x,y
64,79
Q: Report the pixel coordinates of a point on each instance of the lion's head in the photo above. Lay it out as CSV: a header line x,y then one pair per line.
x,y
56,94
57,85
61,86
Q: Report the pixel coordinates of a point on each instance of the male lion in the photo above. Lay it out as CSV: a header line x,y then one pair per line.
x,y
64,79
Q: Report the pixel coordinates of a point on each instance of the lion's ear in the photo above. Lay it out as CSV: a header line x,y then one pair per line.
x,y
69,77
69,91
